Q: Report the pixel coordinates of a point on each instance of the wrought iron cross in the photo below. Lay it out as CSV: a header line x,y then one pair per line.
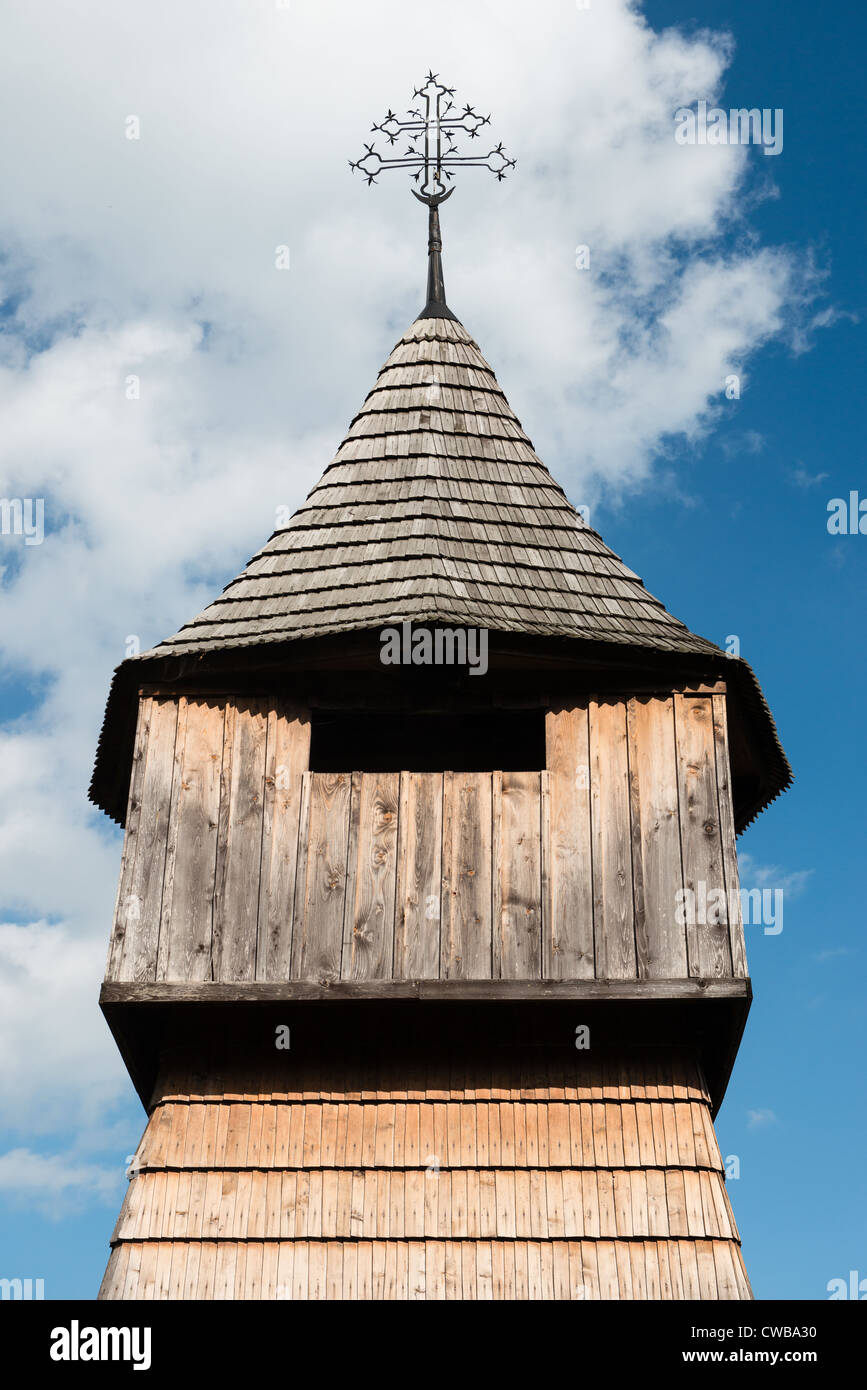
x,y
433,127
439,121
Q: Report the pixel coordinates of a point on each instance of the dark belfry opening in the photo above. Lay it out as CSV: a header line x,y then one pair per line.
x,y
407,741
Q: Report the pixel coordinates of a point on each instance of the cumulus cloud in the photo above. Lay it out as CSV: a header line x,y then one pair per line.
x,y
59,1066
165,387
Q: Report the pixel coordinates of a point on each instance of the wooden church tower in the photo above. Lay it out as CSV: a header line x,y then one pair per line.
x,y
405,967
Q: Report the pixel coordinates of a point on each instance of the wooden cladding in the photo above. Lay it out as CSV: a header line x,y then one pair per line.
x,y
241,865
444,1173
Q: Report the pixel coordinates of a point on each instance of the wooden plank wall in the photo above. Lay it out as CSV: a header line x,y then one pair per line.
x,y
240,864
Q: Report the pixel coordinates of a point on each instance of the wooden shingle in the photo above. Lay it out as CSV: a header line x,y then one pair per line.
x,y
462,1188
435,505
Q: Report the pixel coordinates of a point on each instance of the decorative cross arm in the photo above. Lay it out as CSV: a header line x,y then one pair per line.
x,y
432,129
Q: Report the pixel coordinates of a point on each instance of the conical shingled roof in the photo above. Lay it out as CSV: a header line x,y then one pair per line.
x,y
436,508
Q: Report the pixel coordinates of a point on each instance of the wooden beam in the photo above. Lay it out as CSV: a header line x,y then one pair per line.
x,y
443,991
150,1021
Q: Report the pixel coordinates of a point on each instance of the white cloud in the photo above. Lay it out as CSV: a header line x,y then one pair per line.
x,y
792,882
804,479
155,258
59,1065
56,1185
760,1119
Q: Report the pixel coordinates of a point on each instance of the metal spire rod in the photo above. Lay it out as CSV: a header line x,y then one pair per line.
x,y
430,164
435,307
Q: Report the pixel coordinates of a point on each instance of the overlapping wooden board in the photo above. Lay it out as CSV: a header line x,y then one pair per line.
x,y
384,1203
431,1269
505,1131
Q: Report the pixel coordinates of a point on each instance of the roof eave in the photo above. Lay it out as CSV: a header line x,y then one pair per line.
x,y
109,787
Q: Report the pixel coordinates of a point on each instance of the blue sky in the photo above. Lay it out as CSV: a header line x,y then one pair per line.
x,y
110,266
751,555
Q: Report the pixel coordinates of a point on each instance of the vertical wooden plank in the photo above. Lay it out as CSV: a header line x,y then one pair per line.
x,y
317,937
115,1275
142,904
300,1272
657,871
466,924
496,870
725,1276
568,945
287,759
701,842
351,866
301,870
239,848
188,897
611,841
350,1273
419,877
368,947
171,842
130,839
727,832
517,925
545,904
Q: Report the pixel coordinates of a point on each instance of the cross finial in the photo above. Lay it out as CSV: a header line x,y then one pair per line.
x,y
433,127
